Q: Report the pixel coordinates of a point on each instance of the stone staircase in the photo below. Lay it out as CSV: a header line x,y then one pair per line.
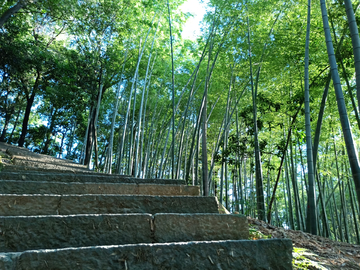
x,y
55,214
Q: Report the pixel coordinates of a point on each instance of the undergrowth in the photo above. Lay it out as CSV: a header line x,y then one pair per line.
x,y
302,258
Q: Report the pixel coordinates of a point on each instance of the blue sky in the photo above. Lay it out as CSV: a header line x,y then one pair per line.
x,y
192,27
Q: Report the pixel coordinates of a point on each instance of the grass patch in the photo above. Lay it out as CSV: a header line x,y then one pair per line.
x,y
301,259
254,234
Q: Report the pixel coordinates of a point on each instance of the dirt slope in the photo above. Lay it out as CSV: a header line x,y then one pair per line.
x,y
320,253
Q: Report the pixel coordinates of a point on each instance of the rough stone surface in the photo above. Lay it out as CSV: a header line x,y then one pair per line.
x,y
269,254
82,177
31,156
199,227
21,168
16,205
45,232
49,232
47,164
86,215
46,187
26,153
26,205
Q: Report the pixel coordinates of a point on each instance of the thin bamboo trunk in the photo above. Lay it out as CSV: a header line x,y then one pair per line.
x,y
258,167
109,155
295,189
132,135
281,164
173,98
288,191
122,142
340,190
323,208
312,217
140,115
352,202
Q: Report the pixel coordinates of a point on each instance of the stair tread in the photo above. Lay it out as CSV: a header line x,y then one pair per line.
x,y
55,187
38,204
223,254
82,177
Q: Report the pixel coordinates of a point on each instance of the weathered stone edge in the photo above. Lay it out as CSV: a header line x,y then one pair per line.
x,y
49,187
29,205
81,176
238,254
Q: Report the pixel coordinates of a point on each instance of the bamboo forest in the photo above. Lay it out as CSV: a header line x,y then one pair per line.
x,y
261,109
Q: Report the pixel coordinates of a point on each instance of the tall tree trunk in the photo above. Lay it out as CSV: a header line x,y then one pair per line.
x,y
258,168
49,132
240,159
140,132
173,98
295,189
91,140
109,154
281,164
354,32
194,141
190,98
288,191
346,128
320,119
15,125
6,124
352,202
323,208
11,11
90,137
132,127
205,168
340,60
29,103
312,218
122,140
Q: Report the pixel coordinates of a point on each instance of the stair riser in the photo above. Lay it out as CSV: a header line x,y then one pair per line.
x,y
27,205
51,232
30,233
82,178
262,254
199,227
34,187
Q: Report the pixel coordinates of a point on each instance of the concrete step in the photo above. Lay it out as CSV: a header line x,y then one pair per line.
x,y
229,254
32,205
50,232
41,232
47,169
199,227
47,165
27,154
46,187
82,177
45,160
